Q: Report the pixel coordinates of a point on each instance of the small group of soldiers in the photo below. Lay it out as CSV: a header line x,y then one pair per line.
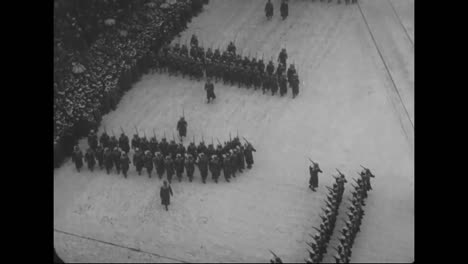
x,y
284,9
166,157
355,215
322,238
229,67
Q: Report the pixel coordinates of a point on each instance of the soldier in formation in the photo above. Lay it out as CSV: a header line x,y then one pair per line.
x,y
182,127
209,87
77,158
284,9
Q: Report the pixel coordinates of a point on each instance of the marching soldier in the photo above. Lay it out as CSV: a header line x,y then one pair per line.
x,y
291,72
283,85
273,84
92,139
172,148
215,168
313,182
169,167
138,160
283,56
366,175
194,41
202,148
192,149
113,143
231,48
284,9
123,143
144,144
189,166
158,161
77,158
295,85
116,159
269,9
209,87
226,166
270,68
90,158
241,157
100,156
182,127
153,144
203,166
104,140
266,83
135,142
164,147
108,160
124,163
179,166
148,162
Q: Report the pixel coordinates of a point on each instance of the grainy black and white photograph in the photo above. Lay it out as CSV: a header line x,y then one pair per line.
x,y
233,131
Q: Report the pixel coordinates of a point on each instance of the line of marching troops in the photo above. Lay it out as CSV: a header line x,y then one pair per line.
x,y
229,67
322,238
355,215
165,157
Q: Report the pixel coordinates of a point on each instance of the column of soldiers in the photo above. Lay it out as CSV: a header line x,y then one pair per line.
x,y
229,67
339,1
284,9
165,157
322,238
355,215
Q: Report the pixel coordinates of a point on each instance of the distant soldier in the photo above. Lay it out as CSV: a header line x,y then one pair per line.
x,y
283,85
215,168
240,149
366,175
282,57
313,182
189,166
169,167
113,142
108,160
116,159
209,87
184,50
194,41
248,155
124,163
284,9
291,72
77,158
148,162
226,166
295,86
104,140
90,158
172,149
164,147
201,148
138,160
100,156
123,143
209,54
270,68
179,166
165,193
92,140
158,161
135,141
273,84
182,127
144,144
269,9
231,48
192,149
266,83
203,166
153,145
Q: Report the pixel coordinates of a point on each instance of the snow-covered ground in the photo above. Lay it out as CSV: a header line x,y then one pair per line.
x,y
353,108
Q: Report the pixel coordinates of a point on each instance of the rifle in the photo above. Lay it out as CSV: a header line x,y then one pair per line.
x,y
237,133
164,133
312,161
183,114
136,130
230,137
273,254
341,174
154,134
246,141
144,133
364,167
123,132
193,139
202,139
113,133
319,230
211,140
218,141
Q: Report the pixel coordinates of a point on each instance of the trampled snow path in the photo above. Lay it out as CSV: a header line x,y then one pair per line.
x,y
348,113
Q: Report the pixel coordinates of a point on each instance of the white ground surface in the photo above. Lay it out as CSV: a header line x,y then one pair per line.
x,y
350,111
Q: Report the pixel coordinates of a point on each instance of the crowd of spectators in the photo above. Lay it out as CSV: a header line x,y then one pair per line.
x,y
100,48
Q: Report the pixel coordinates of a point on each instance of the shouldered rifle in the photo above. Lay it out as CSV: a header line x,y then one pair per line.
x,y
183,113
123,132
230,137
136,130
237,133
211,140
246,141
144,133
273,253
312,161
164,133
113,133
193,139
218,141
202,139
339,172
364,167
154,134
319,230
310,245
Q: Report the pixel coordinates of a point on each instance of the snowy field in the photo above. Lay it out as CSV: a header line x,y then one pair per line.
x,y
355,106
